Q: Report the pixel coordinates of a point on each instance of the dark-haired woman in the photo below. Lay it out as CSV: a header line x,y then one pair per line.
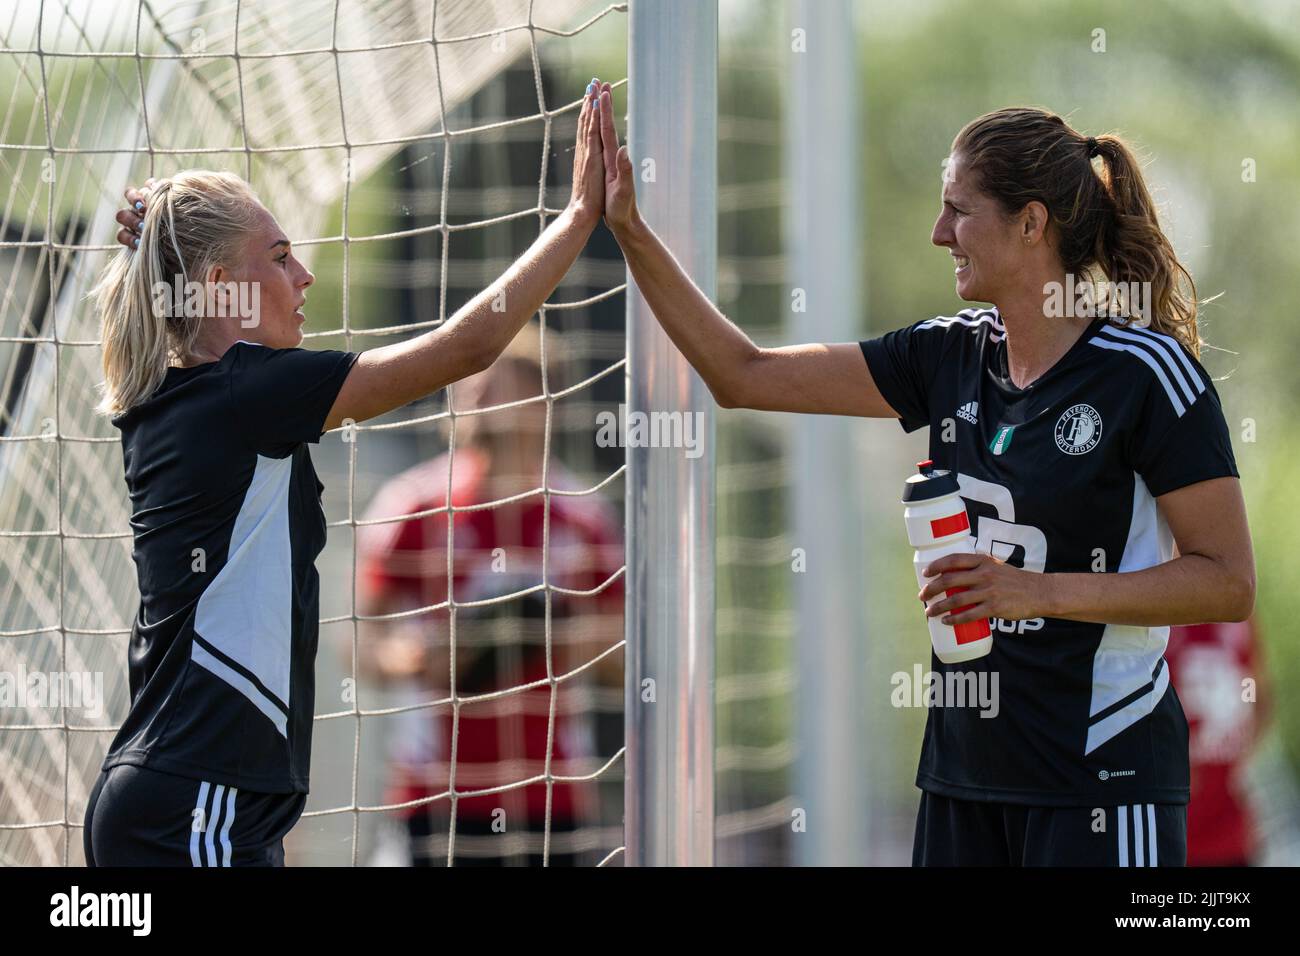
x,y
1096,467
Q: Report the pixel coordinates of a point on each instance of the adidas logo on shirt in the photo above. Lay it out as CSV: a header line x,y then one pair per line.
x,y
970,411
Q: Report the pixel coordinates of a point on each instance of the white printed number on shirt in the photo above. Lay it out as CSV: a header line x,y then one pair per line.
x,y
1001,536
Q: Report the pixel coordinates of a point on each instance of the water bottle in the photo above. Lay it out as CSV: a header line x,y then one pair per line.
x,y
937,525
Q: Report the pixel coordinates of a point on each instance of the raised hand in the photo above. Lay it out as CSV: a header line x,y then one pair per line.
x,y
620,189
137,202
588,198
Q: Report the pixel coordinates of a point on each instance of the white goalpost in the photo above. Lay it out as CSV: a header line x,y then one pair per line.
x,y
672,69
306,101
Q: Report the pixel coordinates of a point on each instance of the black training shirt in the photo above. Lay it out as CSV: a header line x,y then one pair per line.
x,y
227,522
1060,476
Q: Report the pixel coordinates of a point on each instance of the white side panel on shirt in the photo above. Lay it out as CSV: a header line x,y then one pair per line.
x,y
246,611
1127,655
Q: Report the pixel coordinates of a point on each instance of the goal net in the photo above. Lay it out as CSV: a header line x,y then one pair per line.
x,y
411,148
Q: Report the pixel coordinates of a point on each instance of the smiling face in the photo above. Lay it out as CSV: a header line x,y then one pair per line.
x,y
274,282
987,246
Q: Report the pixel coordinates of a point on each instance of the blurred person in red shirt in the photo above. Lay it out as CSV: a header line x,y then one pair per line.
x,y
1217,671
499,644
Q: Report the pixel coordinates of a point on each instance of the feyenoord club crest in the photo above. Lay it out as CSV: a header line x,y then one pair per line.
x,y
1078,430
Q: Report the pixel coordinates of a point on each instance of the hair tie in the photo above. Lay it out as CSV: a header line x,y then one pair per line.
x,y
1093,148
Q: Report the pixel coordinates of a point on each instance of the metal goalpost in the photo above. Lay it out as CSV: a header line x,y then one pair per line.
x,y
669,699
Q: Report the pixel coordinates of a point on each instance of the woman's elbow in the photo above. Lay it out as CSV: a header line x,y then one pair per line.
x,y
734,389
1240,595
478,356
725,397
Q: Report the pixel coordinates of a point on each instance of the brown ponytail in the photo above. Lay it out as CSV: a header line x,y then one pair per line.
x,y
1106,225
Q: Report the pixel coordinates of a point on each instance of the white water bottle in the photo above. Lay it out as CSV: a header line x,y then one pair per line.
x,y
936,526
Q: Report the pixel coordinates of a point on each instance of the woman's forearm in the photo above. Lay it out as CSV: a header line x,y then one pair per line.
x,y
1190,589
493,317
711,342
392,375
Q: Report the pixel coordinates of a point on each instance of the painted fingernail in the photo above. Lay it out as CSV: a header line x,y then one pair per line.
x,y
135,243
139,205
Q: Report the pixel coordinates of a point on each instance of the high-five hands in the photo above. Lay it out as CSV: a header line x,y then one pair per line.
x,y
588,198
620,191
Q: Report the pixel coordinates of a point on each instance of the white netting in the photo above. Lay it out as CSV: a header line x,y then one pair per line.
x,y
312,102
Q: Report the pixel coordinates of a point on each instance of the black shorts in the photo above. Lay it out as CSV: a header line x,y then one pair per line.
x,y
952,832
141,817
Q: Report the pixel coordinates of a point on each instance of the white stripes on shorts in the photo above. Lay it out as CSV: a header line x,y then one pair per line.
x,y
210,825
1140,838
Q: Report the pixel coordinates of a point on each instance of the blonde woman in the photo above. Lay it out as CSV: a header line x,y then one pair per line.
x,y
216,407
1086,446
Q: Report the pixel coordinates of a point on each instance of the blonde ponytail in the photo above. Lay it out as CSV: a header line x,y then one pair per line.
x,y
195,220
